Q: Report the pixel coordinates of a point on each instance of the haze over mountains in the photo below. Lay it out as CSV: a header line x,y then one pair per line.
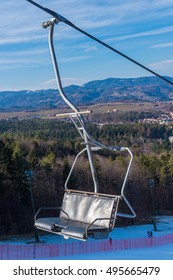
x,y
99,91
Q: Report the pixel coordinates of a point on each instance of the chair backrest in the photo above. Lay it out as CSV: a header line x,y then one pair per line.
x,y
87,208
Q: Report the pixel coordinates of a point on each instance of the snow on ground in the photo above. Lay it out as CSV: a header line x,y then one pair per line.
x,y
164,252
164,226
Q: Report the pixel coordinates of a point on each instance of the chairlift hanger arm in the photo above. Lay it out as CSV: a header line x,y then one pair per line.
x,y
66,21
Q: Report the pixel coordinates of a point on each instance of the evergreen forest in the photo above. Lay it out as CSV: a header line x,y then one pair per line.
x,y
36,155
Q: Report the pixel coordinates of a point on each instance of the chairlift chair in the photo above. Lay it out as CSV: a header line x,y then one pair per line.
x,y
83,214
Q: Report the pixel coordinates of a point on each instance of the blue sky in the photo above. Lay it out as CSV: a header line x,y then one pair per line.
x,y
142,29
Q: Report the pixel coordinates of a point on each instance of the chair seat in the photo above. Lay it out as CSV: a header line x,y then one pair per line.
x,y
81,216
57,224
50,223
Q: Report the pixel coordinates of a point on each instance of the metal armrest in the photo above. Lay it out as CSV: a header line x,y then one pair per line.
x,y
100,226
49,208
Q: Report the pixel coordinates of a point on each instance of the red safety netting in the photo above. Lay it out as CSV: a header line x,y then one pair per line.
x,y
46,251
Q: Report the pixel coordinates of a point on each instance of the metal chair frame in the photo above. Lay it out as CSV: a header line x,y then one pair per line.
x,y
91,145
83,230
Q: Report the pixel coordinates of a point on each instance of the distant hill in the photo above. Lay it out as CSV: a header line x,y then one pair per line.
x,y
99,91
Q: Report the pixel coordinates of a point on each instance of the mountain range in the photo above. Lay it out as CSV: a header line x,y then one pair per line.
x,y
98,91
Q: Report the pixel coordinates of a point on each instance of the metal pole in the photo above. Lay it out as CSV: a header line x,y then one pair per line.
x,y
152,185
69,103
29,175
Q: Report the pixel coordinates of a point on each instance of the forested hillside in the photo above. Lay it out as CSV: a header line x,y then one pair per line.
x,y
94,92
48,147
